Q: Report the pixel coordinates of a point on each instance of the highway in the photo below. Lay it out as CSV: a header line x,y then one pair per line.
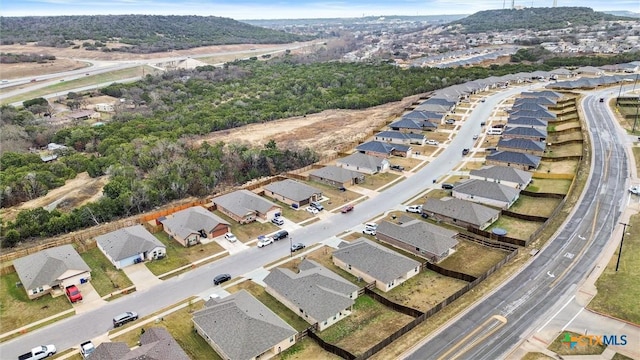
x,y
490,328
70,332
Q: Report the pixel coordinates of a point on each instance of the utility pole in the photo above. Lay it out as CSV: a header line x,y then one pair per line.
x,y
624,230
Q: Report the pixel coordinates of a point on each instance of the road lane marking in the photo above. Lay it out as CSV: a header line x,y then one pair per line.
x,y
468,346
573,318
556,314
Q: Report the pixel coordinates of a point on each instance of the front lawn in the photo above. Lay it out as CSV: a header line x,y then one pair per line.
x,y
178,255
105,278
250,231
379,180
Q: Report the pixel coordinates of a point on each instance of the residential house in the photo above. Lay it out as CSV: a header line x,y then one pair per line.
x,y
437,105
413,125
316,294
545,93
539,114
190,225
364,163
486,192
50,270
522,132
528,106
426,240
540,100
374,263
244,206
527,122
336,176
383,149
460,213
504,175
81,115
526,146
156,343
240,327
514,159
589,71
292,192
428,116
130,245
397,137
104,107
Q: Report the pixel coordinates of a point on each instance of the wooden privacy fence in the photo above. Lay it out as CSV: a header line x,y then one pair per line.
x,y
168,211
561,158
450,273
414,313
568,142
505,239
330,347
542,195
526,217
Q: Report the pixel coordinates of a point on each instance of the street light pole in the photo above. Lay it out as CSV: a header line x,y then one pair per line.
x,y
290,246
624,230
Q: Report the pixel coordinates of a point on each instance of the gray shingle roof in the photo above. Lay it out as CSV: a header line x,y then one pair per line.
x,y
422,115
412,124
504,173
399,135
462,210
381,147
528,106
45,266
129,241
520,143
242,326
243,202
525,131
110,351
156,344
540,114
526,121
535,100
191,220
545,93
315,289
361,160
428,237
336,173
487,189
293,190
515,158
378,261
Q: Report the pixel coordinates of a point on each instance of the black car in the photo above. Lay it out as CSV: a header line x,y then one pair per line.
x,y
282,234
397,167
297,246
447,186
465,151
219,279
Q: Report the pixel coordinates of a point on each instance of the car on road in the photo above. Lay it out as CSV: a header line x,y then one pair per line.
x,y
282,234
432,142
73,293
230,237
347,208
475,137
278,221
317,205
124,318
483,100
219,279
397,167
312,210
465,151
601,99
37,353
86,348
297,246
264,241
414,209
369,231
635,190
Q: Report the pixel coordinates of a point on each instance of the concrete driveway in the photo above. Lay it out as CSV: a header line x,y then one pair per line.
x,y
141,277
90,299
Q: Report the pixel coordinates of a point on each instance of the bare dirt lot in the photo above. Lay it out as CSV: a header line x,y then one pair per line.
x,y
21,70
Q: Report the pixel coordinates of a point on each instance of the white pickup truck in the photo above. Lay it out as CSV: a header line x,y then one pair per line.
x,y
86,348
37,353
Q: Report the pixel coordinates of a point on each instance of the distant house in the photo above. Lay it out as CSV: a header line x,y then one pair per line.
x,y
316,294
539,114
414,124
504,175
364,163
156,343
190,225
589,70
426,240
130,245
51,270
527,122
383,149
514,159
336,176
486,192
240,327
104,107
522,132
244,206
437,105
528,106
461,213
397,137
375,263
83,115
544,101
526,146
545,93
428,116
292,192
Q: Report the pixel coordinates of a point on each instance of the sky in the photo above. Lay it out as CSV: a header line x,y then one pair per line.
x,y
285,9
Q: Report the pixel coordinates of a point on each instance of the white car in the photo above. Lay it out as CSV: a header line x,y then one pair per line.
x,y
414,209
312,210
371,225
432,142
264,241
475,137
635,190
369,231
230,237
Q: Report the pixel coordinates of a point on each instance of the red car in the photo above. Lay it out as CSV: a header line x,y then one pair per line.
x,y
346,209
73,293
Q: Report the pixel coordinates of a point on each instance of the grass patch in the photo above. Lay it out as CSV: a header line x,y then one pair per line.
x,y
323,256
564,150
61,354
336,197
534,206
567,125
250,231
16,310
41,325
369,323
618,356
274,305
636,155
178,255
408,163
618,292
550,186
558,138
558,167
105,278
536,356
379,180
306,349
560,348
293,214
472,258
516,228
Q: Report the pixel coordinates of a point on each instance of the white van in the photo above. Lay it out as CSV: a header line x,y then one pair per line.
x,y
494,131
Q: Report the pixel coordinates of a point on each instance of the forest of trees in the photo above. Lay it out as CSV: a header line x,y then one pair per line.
x,y
10,58
535,19
144,33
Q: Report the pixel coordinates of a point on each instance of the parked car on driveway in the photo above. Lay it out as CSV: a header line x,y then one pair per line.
x,y
635,190
317,205
414,209
450,121
312,210
297,246
264,241
73,293
371,225
347,208
397,167
219,279
86,348
447,186
369,231
432,142
230,237
278,221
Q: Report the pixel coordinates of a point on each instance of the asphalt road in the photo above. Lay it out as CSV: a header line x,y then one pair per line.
x,y
70,332
491,328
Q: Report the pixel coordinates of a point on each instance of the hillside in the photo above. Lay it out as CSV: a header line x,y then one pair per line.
x,y
142,33
537,19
